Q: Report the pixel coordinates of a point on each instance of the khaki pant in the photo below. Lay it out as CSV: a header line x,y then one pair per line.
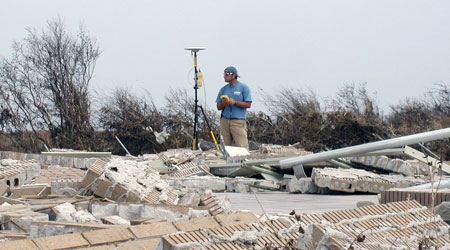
x,y
234,130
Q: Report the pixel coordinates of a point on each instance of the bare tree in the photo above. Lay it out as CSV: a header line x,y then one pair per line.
x,y
133,119
44,86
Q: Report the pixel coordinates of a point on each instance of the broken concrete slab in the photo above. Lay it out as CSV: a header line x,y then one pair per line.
x,y
357,180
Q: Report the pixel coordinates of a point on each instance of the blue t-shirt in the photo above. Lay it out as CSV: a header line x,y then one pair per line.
x,y
239,92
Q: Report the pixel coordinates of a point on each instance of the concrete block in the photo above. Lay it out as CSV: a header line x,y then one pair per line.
x,y
64,212
18,245
106,236
151,244
61,241
382,162
21,221
130,211
133,197
293,186
406,169
31,190
394,165
118,192
3,189
307,186
167,212
196,224
91,175
153,230
190,199
102,188
67,161
51,228
236,218
202,182
83,216
100,210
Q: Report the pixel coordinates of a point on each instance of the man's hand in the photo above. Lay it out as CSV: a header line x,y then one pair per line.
x,y
231,102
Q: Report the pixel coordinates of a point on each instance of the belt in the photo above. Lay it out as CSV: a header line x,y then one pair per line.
x,y
233,118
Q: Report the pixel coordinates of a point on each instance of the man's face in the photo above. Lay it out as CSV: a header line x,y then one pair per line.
x,y
227,76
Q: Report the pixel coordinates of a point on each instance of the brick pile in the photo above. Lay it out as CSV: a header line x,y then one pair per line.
x,y
425,197
15,173
397,225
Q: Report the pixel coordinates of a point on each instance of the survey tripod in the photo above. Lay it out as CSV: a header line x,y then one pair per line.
x,y
198,81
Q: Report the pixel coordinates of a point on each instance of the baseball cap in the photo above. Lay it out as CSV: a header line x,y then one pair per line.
x,y
232,70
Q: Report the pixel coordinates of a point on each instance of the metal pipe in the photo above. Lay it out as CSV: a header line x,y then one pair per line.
x,y
123,146
368,147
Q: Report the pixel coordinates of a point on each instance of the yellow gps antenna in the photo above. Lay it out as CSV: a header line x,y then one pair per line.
x,y
194,51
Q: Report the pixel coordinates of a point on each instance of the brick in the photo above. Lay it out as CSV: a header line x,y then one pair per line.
x,y
152,230
106,236
118,191
90,177
64,241
236,218
102,187
196,224
151,244
133,197
18,245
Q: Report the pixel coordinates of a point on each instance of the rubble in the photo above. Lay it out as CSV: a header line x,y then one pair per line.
x,y
76,200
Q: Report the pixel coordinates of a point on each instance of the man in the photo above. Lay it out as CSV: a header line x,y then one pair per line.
x,y
233,125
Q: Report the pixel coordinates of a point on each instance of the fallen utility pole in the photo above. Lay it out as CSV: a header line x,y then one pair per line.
x,y
365,148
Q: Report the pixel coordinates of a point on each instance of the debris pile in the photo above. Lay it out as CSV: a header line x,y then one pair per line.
x,y
77,200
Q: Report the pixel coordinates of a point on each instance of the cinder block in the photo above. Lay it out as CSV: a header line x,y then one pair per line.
x,y
33,190
236,218
151,244
3,188
102,187
133,197
64,241
196,224
91,175
152,230
18,245
106,236
118,191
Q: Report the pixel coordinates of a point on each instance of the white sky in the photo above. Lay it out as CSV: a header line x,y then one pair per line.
x,y
400,48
